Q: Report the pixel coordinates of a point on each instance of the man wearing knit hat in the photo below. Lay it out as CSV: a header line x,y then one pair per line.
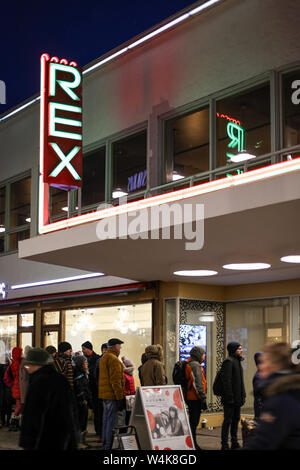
x,y
63,361
48,416
92,358
233,393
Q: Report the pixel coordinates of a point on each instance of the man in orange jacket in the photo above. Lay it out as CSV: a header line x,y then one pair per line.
x,y
195,393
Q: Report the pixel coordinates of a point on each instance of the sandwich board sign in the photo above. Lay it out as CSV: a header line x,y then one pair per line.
x,y
160,418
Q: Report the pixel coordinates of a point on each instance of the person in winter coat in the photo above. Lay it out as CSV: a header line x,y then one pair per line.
x,y
15,389
92,358
195,393
111,389
83,394
279,422
153,370
23,378
6,399
63,361
233,396
255,382
129,382
143,360
48,417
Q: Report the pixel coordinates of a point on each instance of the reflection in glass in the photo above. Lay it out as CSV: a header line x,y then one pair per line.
x,y
243,123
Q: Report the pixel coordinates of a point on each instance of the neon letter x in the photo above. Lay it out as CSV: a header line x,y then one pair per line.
x,y
65,161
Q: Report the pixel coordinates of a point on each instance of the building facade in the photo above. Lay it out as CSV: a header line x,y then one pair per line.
x,y
165,117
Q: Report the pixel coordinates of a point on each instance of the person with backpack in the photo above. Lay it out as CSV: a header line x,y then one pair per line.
x,y
195,389
233,395
63,362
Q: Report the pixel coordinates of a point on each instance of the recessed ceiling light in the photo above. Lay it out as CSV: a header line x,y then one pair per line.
x,y
246,266
291,259
196,272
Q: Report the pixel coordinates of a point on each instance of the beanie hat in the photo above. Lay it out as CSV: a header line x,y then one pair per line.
x,y
64,346
38,357
79,360
232,347
104,346
197,353
50,349
88,345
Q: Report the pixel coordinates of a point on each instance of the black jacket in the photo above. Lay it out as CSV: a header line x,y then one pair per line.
x,y
279,423
233,381
92,362
48,421
81,388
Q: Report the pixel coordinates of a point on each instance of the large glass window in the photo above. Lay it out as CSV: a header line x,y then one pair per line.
x,y
253,324
243,123
187,145
14,224
131,323
291,108
8,331
130,163
58,202
93,188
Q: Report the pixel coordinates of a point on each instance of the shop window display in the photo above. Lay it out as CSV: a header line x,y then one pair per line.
x,y
131,323
253,324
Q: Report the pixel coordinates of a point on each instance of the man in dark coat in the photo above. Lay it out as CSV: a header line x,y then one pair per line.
x,y
92,358
48,416
233,394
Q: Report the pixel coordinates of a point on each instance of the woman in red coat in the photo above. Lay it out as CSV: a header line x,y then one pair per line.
x,y
129,382
15,389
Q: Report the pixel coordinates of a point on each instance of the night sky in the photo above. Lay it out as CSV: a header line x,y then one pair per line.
x,y
78,30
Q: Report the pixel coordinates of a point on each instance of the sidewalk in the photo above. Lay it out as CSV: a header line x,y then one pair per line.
x,y
207,439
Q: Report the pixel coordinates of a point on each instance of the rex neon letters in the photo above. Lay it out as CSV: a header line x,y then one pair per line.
x,y
61,123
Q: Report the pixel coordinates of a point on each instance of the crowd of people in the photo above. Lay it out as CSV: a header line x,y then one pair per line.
x,y
46,394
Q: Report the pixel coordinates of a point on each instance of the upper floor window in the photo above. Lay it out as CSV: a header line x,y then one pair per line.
x,y
291,108
243,124
187,145
93,181
14,213
129,164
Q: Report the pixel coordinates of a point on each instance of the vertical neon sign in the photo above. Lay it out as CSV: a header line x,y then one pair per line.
x,y
61,123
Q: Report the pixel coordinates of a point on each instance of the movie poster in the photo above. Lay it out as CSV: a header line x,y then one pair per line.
x,y
167,418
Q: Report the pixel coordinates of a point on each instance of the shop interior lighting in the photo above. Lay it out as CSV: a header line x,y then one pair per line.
x,y
28,219
291,259
2,228
207,318
56,281
247,266
176,176
242,157
118,192
196,272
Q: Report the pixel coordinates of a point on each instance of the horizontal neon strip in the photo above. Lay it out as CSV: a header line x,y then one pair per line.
x,y
55,281
130,46
205,188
